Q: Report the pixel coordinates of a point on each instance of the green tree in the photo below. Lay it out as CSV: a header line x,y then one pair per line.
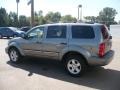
x,y
3,17
68,19
52,17
107,16
91,19
42,20
23,21
41,17
36,18
40,13
12,18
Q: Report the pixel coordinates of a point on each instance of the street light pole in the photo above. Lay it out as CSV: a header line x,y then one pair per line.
x,y
17,9
79,13
17,1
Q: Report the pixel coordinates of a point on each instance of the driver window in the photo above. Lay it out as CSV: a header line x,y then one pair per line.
x,y
36,33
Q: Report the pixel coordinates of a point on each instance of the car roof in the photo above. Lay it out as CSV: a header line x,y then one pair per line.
x,y
82,24
8,27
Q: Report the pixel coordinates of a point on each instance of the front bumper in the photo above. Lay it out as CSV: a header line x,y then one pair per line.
x,y
97,61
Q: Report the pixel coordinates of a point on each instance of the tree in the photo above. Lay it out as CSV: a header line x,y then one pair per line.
x,y
3,17
42,20
36,18
107,16
40,13
13,20
41,17
92,19
23,21
68,19
53,17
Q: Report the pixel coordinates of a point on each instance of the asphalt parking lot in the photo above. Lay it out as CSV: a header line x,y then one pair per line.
x,y
37,74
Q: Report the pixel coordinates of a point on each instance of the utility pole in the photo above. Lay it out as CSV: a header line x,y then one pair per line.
x,y
32,12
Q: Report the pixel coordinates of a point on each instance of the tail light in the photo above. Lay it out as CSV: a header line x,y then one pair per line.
x,y
101,49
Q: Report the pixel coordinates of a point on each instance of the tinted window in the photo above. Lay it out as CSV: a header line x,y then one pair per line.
x,y
83,32
5,29
56,32
105,32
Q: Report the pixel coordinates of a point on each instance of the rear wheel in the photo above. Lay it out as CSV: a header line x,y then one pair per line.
x,y
75,65
14,55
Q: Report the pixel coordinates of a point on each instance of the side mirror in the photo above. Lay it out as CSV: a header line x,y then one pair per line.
x,y
24,35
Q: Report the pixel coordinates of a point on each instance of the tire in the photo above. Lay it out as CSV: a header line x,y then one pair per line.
x,y
14,55
1,36
14,36
75,65
8,37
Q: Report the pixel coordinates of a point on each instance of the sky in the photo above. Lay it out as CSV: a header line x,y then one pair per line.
x,y
89,7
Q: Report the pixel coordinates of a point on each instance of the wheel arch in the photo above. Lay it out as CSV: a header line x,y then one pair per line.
x,y
17,48
73,53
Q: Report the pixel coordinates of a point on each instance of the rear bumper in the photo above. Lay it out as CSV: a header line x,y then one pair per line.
x,y
97,61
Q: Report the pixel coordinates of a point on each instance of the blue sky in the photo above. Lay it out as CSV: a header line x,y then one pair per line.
x,y
90,7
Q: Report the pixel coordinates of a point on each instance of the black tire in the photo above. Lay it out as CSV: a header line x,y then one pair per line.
x,y
8,37
14,36
1,36
12,52
79,67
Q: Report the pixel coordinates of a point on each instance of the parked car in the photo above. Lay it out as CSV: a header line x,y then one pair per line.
x,y
76,45
25,29
10,32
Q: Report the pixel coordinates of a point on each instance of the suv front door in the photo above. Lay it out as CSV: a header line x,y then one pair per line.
x,y
55,41
32,45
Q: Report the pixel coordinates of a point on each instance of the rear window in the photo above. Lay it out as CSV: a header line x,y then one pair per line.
x,y
82,32
105,32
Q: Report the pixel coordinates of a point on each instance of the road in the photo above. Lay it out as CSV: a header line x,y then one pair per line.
x,y
36,74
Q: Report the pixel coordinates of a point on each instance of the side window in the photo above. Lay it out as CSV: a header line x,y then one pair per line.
x,y
56,32
36,33
9,30
5,29
82,32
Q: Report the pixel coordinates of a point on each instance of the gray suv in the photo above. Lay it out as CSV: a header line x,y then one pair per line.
x,y
76,45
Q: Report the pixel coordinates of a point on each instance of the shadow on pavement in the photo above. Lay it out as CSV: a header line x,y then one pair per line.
x,y
97,77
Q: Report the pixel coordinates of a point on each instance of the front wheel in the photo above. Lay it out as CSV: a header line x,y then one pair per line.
x,y
75,65
14,55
